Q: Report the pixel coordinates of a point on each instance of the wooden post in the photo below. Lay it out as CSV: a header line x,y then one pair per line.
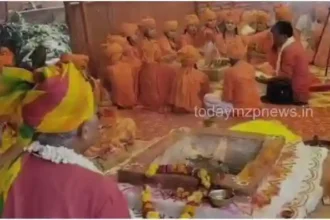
x,y
322,33
6,11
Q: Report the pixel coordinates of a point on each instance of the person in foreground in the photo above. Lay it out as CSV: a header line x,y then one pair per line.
x,y
44,174
240,89
292,79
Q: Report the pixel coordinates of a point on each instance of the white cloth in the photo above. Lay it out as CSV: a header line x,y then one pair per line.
x,y
247,30
304,25
214,102
287,43
210,52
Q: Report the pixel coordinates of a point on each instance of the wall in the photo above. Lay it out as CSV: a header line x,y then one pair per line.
x,y
44,15
103,18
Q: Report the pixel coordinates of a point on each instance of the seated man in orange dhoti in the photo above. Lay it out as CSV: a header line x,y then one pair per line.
x,y
119,75
230,43
168,42
209,29
155,78
190,85
132,51
240,89
292,76
190,35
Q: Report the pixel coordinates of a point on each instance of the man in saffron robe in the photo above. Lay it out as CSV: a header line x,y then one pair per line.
x,y
291,66
120,75
168,41
190,85
240,90
190,36
59,123
155,78
209,30
230,43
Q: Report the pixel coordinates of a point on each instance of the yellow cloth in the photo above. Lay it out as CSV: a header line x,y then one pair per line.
x,y
191,19
171,25
274,128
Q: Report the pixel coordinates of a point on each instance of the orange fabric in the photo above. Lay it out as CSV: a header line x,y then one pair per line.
x,y
283,13
6,57
191,19
155,79
189,87
120,77
208,14
222,14
187,39
231,45
117,39
148,22
240,87
263,17
129,29
249,17
114,52
171,25
233,16
294,65
167,46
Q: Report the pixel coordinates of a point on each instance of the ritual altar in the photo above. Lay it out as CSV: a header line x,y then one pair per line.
x,y
289,187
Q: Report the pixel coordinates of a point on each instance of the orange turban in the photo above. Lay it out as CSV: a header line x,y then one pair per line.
x,y
232,17
263,17
283,13
191,19
249,16
6,57
129,29
171,25
117,39
189,53
148,22
222,14
114,51
79,60
208,14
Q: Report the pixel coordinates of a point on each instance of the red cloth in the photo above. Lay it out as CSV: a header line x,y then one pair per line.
x,y
47,190
294,65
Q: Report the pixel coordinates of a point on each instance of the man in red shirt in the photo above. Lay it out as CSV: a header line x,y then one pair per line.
x,y
292,79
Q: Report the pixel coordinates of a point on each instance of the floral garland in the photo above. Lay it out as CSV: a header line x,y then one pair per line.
x,y
61,155
193,201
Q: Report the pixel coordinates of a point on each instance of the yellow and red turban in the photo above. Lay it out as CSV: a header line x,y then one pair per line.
x,y
191,19
59,103
128,29
263,17
79,60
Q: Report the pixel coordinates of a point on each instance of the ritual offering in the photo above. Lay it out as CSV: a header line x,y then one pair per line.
x,y
214,67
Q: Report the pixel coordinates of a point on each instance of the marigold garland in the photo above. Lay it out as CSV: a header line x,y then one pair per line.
x,y
193,201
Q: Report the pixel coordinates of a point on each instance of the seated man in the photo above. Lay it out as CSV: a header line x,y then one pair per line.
x,y
240,90
52,179
292,72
